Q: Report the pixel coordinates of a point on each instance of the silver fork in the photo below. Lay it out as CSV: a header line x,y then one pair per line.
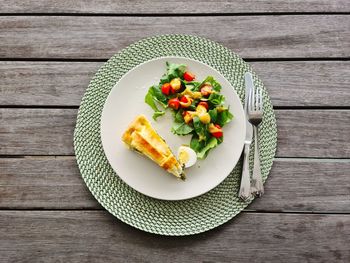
x,y
244,190
255,113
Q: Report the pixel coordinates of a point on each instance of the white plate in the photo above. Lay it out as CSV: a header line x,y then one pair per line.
x,y
126,101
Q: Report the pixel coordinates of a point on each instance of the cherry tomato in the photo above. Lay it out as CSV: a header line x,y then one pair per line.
x,y
206,90
217,134
174,103
218,131
188,76
185,101
172,91
204,104
166,89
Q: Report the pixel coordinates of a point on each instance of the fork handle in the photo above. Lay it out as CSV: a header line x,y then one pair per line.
x,y
244,191
257,184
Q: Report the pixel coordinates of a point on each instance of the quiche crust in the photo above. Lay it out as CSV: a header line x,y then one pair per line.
x,y
141,137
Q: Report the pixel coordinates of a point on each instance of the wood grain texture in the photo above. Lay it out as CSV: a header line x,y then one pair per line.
x,y
37,131
47,183
301,133
302,185
181,7
306,83
44,83
43,182
90,37
306,185
290,83
95,236
313,133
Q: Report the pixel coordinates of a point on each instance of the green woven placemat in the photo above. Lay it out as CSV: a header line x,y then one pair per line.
x,y
156,216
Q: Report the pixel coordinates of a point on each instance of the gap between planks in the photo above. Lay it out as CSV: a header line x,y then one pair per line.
x,y
282,158
178,14
74,107
274,59
247,211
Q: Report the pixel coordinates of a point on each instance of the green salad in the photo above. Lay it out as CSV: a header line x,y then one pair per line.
x,y
198,107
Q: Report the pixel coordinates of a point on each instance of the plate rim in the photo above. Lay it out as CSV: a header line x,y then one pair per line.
x,y
232,90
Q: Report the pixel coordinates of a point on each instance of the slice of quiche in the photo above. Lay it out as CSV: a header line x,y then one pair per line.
x,y
141,137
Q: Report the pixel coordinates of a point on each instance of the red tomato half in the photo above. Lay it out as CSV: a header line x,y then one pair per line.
x,y
218,133
174,103
206,90
166,89
185,101
188,76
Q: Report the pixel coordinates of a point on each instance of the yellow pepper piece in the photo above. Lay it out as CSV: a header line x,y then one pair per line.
x,y
204,118
175,84
196,95
201,109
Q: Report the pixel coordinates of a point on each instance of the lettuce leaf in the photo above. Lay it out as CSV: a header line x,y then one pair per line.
x,y
158,95
190,84
157,114
195,144
224,117
201,129
210,79
173,71
216,99
216,85
181,128
212,143
155,95
178,116
213,115
202,148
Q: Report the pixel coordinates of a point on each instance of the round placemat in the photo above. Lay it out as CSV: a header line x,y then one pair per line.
x,y
175,218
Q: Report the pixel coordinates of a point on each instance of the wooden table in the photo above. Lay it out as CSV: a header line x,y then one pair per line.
x,y
49,50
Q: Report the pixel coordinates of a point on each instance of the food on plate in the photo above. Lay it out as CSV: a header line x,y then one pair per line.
x,y
186,156
141,137
198,107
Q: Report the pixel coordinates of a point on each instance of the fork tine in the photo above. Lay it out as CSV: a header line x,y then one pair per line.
x,y
251,100
261,99
257,99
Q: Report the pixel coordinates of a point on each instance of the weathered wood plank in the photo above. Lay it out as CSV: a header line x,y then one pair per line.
x,y
37,131
313,133
290,83
294,185
166,7
43,182
307,185
44,83
307,83
301,133
100,37
76,236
